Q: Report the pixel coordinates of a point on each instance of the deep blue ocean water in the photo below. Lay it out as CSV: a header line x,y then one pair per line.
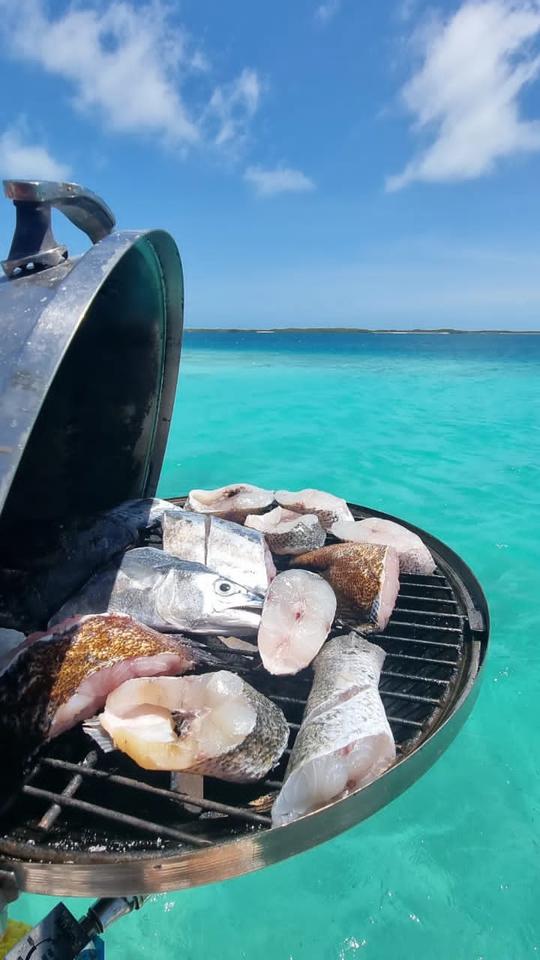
x,y
445,432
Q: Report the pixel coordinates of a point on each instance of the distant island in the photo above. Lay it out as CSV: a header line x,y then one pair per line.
x,y
414,330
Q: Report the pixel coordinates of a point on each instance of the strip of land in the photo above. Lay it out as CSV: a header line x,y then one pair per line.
x,y
415,330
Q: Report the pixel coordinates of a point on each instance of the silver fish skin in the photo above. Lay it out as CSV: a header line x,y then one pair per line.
x,y
287,532
185,535
235,551
168,594
345,740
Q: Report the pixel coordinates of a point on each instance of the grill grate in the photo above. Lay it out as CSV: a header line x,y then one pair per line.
x,y
80,800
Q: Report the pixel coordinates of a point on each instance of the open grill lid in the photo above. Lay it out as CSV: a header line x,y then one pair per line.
x,y
88,364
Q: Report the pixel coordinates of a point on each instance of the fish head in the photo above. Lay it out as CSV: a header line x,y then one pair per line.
x,y
228,605
201,601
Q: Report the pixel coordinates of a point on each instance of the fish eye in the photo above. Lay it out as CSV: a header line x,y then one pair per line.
x,y
224,588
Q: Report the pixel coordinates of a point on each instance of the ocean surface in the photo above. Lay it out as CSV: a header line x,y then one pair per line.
x,y
443,431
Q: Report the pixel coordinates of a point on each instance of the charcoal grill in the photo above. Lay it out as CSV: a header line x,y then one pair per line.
x,y
90,823
93,824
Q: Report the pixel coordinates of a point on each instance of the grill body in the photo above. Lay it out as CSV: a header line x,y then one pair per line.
x,y
90,824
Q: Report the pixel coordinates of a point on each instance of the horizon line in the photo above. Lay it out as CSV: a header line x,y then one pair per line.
x,y
373,330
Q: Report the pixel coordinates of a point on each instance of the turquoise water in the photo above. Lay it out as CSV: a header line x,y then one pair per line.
x,y
445,431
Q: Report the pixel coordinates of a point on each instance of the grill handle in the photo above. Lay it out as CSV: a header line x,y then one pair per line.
x,y
34,246
59,936
108,910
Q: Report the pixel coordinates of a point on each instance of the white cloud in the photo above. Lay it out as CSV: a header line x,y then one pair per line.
x,y
27,161
327,10
280,180
232,106
466,92
121,61
126,63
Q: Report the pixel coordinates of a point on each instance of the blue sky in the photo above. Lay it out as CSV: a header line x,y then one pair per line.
x,y
345,162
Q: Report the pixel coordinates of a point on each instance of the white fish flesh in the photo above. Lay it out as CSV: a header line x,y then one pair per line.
x,y
168,594
288,532
297,617
345,741
365,577
216,725
229,548
328,508
59,678
233,502
414,556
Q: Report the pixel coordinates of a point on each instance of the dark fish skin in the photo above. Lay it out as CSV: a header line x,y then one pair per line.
x,y
354,570
47,672
259,752
29,597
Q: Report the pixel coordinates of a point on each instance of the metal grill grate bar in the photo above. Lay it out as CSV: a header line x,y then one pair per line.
x,y
429,613
409,577
430,660
174,795
409,696
414,676
405,722
277,698
124,818
417,640
411,596
69,790
427,586
422,626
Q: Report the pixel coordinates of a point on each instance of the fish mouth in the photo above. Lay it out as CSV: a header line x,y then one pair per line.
x,y
244,618
255,603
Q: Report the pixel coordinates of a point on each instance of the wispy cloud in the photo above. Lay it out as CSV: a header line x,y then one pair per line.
x,y
465,95
231,108
126,64
326,11
280,180
26,160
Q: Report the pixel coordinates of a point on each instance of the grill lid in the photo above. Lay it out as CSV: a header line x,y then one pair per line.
x,y
88,364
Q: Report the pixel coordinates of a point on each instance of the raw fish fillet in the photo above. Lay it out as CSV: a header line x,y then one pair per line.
x,y
287,532
59,678
233,502
365,577
297,617
328,508
228,548
414,556
345,741
215,724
